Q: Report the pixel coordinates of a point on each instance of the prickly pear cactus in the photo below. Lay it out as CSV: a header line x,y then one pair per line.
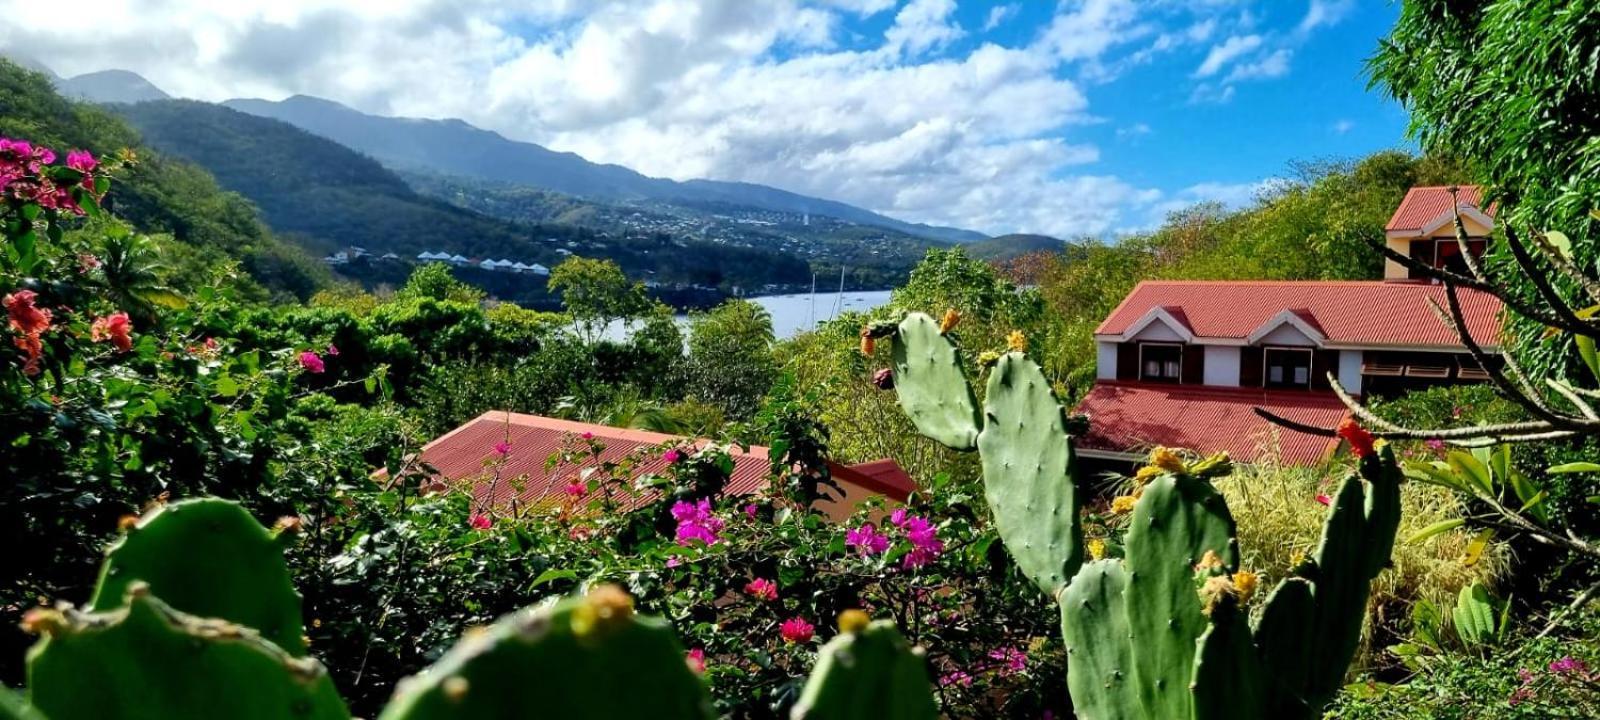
x,y
931,386
1099,643
1028,473
13,708
146,661
587,657
208,557
867,673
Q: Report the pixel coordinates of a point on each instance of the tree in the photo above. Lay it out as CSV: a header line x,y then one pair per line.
x,y
596,293
730,357
132,274
435,281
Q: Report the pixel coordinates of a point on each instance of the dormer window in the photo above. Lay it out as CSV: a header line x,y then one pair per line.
x,y
1288,368
1161,362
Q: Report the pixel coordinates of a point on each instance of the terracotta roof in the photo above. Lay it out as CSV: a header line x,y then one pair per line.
x,y
1132,417
467,452
1361,313
1423,205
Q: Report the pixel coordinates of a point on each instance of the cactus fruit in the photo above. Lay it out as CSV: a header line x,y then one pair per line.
x,y
1028,473
147,661
209,558
13,708
868,672
586,657
932,388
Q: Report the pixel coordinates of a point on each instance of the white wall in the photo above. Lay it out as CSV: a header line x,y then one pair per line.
x,y
1287,334
1222,365
1105,360
1350,370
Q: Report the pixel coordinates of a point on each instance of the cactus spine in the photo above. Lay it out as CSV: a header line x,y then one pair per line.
x,y
868,673
1164,632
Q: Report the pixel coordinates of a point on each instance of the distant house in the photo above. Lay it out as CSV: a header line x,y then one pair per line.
x,y
460,455
488,265
426,256
537,269
1184,363
459,260
1423,228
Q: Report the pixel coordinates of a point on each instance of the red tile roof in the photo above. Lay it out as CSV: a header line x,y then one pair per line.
x,y
1423,205
1132,417
1359,313
467,451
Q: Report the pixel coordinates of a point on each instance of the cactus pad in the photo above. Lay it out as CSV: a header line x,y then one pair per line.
x,y
868,675
1228,682
931,386
1028,473
146,661
1094,626
209,558
13,708
588,657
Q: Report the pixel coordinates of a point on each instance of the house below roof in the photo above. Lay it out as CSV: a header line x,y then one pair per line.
x,y
461,455
1423,228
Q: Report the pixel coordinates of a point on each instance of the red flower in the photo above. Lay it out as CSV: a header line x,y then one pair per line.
x,y
1360,440
797,630
697,661
762,589
115,327
1324,499
26,318
479,521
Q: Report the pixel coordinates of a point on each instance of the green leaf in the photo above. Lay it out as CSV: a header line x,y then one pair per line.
x,y
1471,469
1586,351
1573,467
553,575
227,386
1443,526
1561,243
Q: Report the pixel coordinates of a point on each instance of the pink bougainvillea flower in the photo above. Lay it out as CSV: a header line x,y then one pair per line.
x,y
587,435
115,327
1324,499
923,536
697,661
1568,665
87,262
479,521
762,589
576,488
955,677
1011,660
1434,444
696,522
751,510
502,448
312,362
898,517
797,630
674,561
82,161
333,350
867,540
672,456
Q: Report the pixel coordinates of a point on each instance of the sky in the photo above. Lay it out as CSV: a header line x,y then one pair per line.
x,y
1070,118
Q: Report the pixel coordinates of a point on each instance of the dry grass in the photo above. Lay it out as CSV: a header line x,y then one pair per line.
x,y
1279,519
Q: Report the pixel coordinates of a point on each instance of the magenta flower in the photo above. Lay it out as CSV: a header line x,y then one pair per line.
x,y
81,161
762,589
1011,660
587,435
1434,444
479,521
1568,664
502,448
955,677
674,561
696,522
925,543
898,517
750,511
672,456
867,540
333,350
576,488
1324,499
697,661
312,362
797,630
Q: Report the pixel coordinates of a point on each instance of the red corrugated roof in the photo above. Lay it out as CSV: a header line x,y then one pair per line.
x,y
1363,313
467,452
1132,417
1423,205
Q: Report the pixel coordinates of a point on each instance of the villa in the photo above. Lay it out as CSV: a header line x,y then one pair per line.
x,y
1185,363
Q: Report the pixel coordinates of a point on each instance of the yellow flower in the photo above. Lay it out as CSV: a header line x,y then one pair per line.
x,y
1147,473
1167,460
948,323
1296,559
1017,342
853,621
988,358
1245,583
1123,504
1097,548
1209,561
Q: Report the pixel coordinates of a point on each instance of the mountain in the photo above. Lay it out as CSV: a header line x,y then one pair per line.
x,y
1007,247
111,86
453,147
329,197
29,63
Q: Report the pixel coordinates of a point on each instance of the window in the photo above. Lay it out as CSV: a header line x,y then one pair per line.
x,y
1288,367
1161,362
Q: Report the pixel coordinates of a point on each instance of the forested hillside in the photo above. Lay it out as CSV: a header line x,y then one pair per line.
x,y
159,194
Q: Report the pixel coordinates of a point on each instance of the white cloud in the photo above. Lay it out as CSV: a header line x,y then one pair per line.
x,y
1272,65
781,92
1225,52
922,25
1341,127
999,14
1323,13
1133,131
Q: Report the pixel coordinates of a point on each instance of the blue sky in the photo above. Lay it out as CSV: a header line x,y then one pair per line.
x,y
1067,117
